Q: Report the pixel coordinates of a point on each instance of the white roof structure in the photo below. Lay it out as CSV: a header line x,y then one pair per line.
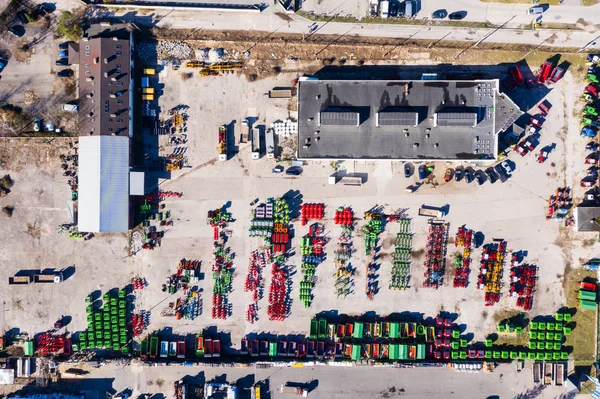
x,y
103,184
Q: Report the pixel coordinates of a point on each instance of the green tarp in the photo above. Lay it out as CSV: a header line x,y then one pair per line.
x,y
394,329
588,305
355,355
358,330
313,328
587,295
393,352
272,349
28,348
403,351
420,351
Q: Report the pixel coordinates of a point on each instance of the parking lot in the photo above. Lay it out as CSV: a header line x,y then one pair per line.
x,y
514,211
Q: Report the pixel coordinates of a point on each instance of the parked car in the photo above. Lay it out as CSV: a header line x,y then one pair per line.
x,y
64,45
506,167
448,175
439,14
17,30
62,62
294,171
43,9
468,175
459,173
37,124
491,174
480,176
457,16
276,170
422,172
67,73
3,62
63,54
408,168
22,17
543,155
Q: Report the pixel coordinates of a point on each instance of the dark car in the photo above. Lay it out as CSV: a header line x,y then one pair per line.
x,y
294,171
468,175
457,16
501,173
458,173
65,73
491,174
439,14
22,17
43,9
408,168
64,46
422,172
62,62
16,30
480,176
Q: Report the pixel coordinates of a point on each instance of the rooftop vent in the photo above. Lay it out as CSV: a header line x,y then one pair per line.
x,y
90,114
106,60
89,79
115,38
113,79
113,115
106,74
96,60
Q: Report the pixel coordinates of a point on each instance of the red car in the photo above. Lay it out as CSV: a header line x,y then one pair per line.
x,y
591,89
535,122
587,286
542,156
522,151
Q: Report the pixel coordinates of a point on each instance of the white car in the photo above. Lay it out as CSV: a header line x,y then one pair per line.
x,y
37,124
506,168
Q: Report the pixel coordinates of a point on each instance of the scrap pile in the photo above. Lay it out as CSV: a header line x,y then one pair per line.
x,y
49,343
278,300
153,216
139,322
222,267
107,325
464,238
176,128
372,230
270,221
187,307
344,273
559,204
257,263
522,282
312,212
186,274
402,257
222,272
490,273
435,256
312,255
70,164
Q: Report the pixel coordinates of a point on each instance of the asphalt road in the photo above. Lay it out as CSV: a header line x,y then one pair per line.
x,y
327,382
271,22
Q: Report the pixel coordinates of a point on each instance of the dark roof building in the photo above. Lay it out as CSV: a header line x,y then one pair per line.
x,y
401,120
105,128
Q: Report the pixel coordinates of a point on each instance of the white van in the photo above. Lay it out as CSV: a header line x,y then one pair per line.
x,y
535,10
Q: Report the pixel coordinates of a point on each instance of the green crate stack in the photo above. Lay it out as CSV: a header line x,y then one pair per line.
x,y
107,325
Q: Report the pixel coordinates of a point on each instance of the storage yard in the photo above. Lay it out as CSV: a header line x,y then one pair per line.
x,y
262,264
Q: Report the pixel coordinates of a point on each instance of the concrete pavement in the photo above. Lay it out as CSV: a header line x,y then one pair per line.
x,y
332,382
294,24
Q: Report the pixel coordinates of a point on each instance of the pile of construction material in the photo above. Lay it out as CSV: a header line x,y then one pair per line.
x,y
173,50
285,128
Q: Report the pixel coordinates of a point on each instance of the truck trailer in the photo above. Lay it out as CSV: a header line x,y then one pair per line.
x,y
296,391
20,280
430,212
48,278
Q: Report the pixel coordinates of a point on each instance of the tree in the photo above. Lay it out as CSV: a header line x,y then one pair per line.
x,y
69,25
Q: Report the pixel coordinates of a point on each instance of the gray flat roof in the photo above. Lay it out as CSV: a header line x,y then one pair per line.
x,y
463,129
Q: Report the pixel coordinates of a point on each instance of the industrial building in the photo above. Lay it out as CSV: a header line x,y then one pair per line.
x,y
105,130
402,120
